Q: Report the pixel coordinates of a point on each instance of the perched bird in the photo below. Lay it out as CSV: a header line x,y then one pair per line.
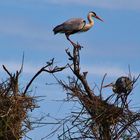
x,y
75,25
123,85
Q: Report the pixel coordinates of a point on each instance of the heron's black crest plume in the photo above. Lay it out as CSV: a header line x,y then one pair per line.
x,y
93,13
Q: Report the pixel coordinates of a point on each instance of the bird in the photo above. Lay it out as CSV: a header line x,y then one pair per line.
x,y
123,85
76,25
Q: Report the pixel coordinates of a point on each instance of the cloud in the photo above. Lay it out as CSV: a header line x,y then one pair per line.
x,y
13,67
111,4
100,70
112,71
22,28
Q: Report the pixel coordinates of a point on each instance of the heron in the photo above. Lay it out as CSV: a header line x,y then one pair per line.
x,y
123,85
122,88
76,25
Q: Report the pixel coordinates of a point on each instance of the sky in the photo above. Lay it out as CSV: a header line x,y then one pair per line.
x,y
109,47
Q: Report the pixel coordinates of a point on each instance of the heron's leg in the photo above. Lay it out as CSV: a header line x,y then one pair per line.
x,y
75,45
67,36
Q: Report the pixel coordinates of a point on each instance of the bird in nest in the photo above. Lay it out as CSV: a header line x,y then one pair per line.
x,y
123,85
76,25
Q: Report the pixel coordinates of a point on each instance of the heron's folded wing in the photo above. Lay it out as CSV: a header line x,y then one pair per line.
x,y
74,24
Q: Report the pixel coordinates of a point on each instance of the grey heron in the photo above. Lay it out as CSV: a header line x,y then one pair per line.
x,y
76,25
123,85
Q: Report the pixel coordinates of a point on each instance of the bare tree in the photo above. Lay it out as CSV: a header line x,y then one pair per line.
x,y
15,104
96,118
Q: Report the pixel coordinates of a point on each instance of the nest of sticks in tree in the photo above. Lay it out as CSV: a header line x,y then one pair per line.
x,y
99,118
14,106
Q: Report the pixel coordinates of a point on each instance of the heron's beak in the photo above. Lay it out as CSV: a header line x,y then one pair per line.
x,y
109,85
99,18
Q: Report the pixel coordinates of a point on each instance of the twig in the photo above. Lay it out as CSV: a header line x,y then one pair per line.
x,y
101,87
43,69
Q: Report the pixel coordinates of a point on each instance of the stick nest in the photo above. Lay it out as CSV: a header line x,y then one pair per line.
x,y
14,107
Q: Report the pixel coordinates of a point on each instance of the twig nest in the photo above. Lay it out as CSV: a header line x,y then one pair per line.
x,y
123,85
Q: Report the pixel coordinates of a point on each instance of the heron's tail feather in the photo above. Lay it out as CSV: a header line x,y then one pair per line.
x,y
58,29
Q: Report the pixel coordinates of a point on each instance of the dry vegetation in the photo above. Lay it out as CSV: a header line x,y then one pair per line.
x,y
14,107
15,104
96,117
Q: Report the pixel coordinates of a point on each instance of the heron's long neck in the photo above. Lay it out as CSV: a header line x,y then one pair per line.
x,y
90,24
90,19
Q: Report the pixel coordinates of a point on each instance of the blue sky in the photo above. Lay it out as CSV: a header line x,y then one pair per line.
x,y
109,47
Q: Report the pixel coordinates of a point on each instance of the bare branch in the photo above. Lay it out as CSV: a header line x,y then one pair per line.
x,y
43,69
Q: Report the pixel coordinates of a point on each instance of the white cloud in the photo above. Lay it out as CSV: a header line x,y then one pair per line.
x,y
111,4
94,70
22,28
13,67
112,71
100,70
